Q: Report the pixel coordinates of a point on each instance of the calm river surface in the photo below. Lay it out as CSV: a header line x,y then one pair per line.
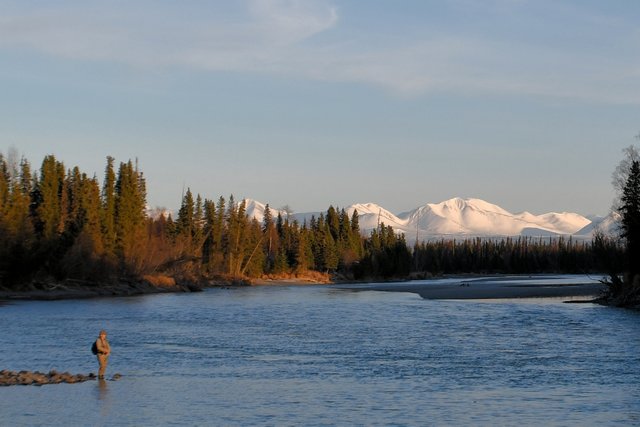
x,y
318,355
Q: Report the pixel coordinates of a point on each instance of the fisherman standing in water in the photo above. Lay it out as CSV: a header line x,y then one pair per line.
x,y
104,350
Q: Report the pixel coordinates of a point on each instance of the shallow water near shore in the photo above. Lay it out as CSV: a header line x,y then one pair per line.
x,y
319,355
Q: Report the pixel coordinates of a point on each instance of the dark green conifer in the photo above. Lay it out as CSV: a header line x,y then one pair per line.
x,y
130,219
185,223
630,221
108,211
48,198
271,240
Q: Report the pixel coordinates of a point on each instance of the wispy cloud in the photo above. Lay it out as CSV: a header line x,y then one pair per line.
x,y
285,37
289,21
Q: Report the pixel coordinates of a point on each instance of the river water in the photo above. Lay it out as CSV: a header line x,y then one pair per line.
x,y
319,355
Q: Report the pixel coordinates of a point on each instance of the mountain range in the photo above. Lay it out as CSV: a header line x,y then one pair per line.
x,y
463,218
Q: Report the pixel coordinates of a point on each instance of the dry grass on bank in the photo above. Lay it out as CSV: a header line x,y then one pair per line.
x,y
160,280
304,277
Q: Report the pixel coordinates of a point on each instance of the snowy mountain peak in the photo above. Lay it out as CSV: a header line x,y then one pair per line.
x,y
608,225
256,209
457,218
372,210
458,204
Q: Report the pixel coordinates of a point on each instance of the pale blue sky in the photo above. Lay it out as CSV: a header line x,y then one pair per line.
x,y
526,104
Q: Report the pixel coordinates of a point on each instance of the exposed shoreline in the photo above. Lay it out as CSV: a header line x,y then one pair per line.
x,y
85,290
451,288
501,287
72,289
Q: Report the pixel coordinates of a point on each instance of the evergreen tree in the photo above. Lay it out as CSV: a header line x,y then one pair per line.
x,y
26,180
5,242
108,212
17,238
4,185
304,254
271,240
198,224
84,257
185,223
208,246
48,200
73,198
253,261
91,213
333,222
630,222
217,234
19,227
236,244
329,250
130,217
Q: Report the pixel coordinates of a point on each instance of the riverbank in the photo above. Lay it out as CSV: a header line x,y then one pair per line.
x,y
499,287
295,279
81,289
450,288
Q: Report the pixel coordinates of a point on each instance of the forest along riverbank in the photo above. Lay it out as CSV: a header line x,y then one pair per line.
x,y
561,286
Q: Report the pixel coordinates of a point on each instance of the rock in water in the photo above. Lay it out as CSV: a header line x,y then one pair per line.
x,y
8,378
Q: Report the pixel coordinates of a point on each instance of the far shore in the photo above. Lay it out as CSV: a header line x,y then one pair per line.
x,y
447,288
497,287
76,289
288,282
49,290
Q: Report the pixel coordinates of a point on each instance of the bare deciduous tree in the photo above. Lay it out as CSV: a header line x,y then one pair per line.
x,y
620,175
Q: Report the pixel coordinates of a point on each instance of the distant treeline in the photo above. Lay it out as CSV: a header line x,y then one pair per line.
x,y
520,255
59,223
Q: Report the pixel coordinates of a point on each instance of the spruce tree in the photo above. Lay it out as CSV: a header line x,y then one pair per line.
x,y
271,239
185,223
208,245
217,234
83,258
304,254
5,242
17,236
48,200
130,217
235,244
630,222
198,224
241,247
4,198
108,211
333,222
4,185
330,254
90,207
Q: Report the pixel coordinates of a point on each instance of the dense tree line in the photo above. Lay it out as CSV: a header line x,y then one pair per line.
x,y
521,255
58,223
219,239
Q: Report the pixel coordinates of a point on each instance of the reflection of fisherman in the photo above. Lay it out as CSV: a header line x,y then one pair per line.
x,y
103,353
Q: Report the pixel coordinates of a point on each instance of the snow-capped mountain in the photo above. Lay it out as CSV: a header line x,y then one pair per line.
x,y
461,218
608,225
477,218
256,210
